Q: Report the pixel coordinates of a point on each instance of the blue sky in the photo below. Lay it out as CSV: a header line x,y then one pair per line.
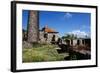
x,y
62,22
25,19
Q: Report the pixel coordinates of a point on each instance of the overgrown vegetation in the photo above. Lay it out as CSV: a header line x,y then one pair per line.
x,y
40,53
69,36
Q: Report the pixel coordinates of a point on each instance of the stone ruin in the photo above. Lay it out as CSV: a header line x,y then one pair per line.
x,y
34,35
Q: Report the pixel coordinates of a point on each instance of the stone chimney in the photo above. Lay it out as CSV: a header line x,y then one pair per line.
x,y
33,27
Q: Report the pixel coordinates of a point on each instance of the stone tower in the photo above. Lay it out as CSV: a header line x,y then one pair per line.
x,y
33,27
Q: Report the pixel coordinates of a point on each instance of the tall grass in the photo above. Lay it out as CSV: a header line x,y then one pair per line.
x,y
41,53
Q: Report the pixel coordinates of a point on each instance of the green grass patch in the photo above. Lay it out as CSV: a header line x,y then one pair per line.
x,y
41,53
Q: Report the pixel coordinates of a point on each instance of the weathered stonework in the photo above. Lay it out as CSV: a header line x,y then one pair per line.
x,y
75,42
49,37
26,45
41,37
33,27
34,35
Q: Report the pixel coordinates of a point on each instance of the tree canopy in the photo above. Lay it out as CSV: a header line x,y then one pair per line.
x,y
69,36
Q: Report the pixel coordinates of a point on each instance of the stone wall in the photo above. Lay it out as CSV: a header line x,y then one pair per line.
x,y
49,37
41,37
74,42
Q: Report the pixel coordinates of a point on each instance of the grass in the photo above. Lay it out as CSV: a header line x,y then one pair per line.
x,y
41,53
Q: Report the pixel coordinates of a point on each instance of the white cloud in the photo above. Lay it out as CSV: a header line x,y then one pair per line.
x,y
68,15
79,34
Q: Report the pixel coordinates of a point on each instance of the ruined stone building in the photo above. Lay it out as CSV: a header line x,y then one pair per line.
x,y
34,35
81,41
48,35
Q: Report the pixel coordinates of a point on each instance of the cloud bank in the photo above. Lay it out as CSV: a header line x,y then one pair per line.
x,y
79,34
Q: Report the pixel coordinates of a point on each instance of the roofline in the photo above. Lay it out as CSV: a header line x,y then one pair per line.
x,y
52,32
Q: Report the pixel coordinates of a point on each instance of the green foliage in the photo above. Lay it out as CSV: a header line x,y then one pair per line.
x,y
69,36
41,53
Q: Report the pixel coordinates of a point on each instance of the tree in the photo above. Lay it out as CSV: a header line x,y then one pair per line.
x,y
69,36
